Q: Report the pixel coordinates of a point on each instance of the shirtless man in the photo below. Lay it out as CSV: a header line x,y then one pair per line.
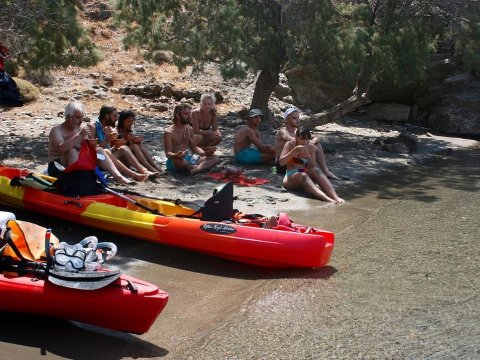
x,y
287,133
249,135
64,143
183,155
204,122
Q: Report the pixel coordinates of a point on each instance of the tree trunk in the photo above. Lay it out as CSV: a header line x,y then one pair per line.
x,y
266,83
338,110
359,97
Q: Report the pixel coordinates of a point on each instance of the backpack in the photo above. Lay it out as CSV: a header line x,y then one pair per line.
x,y
80,178
9,92
78,183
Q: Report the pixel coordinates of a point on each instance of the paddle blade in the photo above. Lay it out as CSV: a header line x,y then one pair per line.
x,y
83,280
100,177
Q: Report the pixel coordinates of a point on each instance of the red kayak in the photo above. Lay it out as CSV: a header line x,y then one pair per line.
x,y
128,304
37,277
213,228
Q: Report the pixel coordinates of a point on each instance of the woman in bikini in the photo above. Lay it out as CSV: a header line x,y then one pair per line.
x,y
303,170
125,123
204,122
118,152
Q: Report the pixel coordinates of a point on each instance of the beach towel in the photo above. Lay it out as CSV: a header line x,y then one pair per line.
x,y
239,179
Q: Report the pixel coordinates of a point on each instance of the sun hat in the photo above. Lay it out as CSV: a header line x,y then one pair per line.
x,y
289,111
255,112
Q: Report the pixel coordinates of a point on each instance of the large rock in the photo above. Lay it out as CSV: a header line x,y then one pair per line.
x,y
459,111
314,94
388,112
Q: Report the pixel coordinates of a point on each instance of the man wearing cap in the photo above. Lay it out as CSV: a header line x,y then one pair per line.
x,y
287,133
249,135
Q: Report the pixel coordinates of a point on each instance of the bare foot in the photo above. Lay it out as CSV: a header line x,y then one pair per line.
x,y
339,200
124,181
141,177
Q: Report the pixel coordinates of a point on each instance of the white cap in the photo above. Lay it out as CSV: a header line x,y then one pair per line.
x,y
289,111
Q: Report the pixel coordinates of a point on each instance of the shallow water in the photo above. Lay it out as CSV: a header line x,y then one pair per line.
x,y
403,283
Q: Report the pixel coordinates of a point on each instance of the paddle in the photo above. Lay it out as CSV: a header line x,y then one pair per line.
x,y
132,201
82,280
174,201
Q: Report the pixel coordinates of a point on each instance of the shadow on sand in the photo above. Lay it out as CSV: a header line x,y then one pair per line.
x,y
73,340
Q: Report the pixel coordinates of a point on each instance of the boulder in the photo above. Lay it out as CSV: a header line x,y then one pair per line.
x,y
388,112
282,90
458,113
313,93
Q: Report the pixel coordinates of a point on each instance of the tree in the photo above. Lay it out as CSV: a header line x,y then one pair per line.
x,y
356,42
41,34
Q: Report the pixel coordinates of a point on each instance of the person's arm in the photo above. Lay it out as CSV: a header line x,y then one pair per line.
x,y
168,146
129,138
312,156
215,122
193,146
255,140
64,145
194,122
290,150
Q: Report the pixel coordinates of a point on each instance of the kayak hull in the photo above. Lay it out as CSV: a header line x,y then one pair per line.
x,y
284,248
116,306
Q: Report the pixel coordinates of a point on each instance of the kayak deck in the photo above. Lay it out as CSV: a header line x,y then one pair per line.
x,y
116,307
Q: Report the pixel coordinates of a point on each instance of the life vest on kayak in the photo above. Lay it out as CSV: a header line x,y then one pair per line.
x,y
29,239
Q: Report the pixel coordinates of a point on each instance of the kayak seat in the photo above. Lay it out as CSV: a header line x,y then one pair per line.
x,y
219,206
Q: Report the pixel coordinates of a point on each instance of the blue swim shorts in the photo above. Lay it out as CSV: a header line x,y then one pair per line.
x,y
249,156
191,159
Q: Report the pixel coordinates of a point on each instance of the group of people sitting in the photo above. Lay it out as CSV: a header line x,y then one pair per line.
x,y
297,155
190,145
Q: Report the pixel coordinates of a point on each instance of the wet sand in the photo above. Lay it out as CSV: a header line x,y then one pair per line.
x,y
402,284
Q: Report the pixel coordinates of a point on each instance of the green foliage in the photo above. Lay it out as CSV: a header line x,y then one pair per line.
x,y
234,34
339,41
45,33
468,46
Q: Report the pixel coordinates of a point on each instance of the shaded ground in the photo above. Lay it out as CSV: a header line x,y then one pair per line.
x,y
351,154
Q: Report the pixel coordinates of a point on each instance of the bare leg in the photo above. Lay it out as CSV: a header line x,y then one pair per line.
x,y
206,163
125,155
319,178
150,159
198,139
211,140
267,158
69,157
320,155
125,170
139,154
302,180
108,165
